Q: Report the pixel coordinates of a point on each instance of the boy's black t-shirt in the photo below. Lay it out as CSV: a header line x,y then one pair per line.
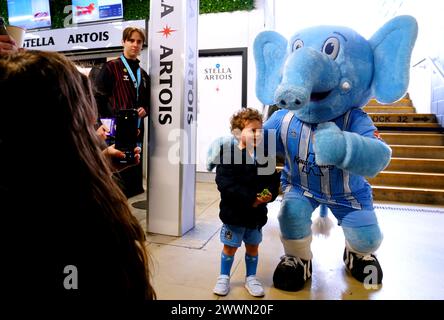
x,y
239,183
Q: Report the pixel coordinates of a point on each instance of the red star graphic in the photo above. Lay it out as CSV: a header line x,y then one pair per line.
x,y
167,31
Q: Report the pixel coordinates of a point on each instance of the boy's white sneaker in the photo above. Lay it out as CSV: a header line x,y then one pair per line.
x,y
254,287
222,286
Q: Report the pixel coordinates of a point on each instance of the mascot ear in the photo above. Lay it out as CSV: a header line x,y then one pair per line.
x,y
392,47
269,51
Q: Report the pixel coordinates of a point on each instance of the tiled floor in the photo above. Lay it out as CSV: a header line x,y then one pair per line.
x,y
411,255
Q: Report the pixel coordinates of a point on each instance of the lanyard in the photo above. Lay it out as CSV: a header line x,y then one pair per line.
x,y
136,82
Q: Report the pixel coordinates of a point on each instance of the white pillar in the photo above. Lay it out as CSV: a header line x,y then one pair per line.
x,y
172,150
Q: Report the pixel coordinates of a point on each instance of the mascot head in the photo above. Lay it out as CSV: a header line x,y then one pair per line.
x,y
322,72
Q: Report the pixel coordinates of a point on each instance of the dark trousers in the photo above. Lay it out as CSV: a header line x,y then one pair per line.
x,y
130,179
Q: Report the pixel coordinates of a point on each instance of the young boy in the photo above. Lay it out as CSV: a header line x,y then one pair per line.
x,y
245,191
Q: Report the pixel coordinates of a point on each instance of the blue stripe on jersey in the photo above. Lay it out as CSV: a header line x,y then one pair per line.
x,y
327,184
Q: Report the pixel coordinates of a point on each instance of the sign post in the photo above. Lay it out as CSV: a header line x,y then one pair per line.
x,y
172,136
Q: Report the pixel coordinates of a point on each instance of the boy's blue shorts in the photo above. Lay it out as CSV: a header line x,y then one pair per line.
x,y
233,235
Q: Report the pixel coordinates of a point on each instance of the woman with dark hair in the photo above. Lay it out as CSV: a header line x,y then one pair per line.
x,y
67,230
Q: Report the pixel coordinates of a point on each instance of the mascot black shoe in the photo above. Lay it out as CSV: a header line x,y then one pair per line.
x,y
291,273
365,269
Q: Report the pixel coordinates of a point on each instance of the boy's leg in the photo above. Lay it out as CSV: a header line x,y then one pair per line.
x,y
251,259
252,239
227,258
231,237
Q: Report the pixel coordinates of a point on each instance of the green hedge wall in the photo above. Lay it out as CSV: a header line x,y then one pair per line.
x,y
139,9
212,6
3,10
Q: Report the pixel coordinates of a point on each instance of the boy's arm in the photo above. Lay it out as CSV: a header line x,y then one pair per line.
x,y
271,185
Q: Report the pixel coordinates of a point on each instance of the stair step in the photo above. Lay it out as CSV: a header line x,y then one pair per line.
x,y
409,127
389,109
416,165
429,139
409,179
400,102
409,195
415,151
415,173
407,124
411,130
408,165
403,117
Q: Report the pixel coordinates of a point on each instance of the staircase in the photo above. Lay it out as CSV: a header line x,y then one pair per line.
x,y
416,171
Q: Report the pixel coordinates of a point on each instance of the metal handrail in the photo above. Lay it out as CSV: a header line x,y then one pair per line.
x,y
433,63
441,73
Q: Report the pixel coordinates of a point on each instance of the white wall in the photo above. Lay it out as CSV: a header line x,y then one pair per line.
x,y
238,29
366,17
293,15
230,30
430,23
429,44
233,30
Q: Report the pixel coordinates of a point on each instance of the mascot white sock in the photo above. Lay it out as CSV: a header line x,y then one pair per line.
x,y
298,248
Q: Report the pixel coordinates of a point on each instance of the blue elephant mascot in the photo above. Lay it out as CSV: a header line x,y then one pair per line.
x,y
321,78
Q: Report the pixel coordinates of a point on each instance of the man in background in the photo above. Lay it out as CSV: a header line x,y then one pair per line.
x,y
123,84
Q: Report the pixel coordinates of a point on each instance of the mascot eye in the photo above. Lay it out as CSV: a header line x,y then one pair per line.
x,y
297,45
331,47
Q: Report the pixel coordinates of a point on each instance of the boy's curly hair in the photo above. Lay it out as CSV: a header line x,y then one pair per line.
x,y
240,118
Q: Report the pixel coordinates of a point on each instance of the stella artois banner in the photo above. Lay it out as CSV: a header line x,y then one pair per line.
x,y
172,136
82,37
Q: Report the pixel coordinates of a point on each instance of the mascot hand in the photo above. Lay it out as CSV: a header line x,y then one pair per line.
x,y
213,153
329,144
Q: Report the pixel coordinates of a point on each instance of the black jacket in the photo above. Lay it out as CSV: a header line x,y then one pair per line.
x,y
114,89
239,183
